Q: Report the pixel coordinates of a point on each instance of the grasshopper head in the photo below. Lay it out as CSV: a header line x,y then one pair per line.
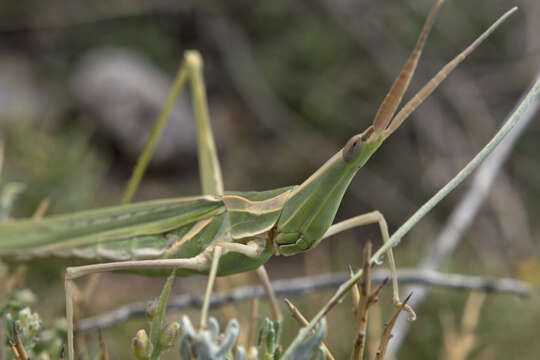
x,y
312,206
360,147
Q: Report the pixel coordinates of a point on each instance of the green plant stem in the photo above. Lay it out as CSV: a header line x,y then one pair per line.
x,y
424,209
146,155
157,321
451,185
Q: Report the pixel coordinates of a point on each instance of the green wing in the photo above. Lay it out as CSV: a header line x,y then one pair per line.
x,y
254,213
40,238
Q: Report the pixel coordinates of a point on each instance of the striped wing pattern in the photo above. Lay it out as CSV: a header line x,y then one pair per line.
x,y
176,228
109,229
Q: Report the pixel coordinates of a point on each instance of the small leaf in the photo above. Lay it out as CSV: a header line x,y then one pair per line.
x,y
213,328
310,343
240,353
229,339
157,321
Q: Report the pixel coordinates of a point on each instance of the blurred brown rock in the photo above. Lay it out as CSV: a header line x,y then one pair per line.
x,y
124,94
23,93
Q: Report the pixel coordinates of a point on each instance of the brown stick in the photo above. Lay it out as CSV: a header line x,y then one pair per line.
x,y
303,321
23,355
102,346
387,333
359,342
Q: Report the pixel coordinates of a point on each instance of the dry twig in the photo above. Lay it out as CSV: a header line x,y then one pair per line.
x,y
102,347
301,285
21,351
253,322
387,333
362,305
303,322
14,350
459,344
41,209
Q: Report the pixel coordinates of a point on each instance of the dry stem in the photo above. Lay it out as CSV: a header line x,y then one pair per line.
x,y
102,346
303,322
387,333
458,345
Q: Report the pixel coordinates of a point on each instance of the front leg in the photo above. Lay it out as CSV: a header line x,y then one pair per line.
x,y
372,218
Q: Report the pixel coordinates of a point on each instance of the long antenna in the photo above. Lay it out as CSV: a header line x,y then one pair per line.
x,y
392,100
432,84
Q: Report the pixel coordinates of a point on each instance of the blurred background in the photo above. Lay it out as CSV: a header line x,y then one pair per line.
x,y
81,84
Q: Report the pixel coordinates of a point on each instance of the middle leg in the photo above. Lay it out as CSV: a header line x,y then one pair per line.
x,y
374,217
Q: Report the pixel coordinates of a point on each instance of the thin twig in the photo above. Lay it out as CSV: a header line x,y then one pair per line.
x,y
387,333
355,293
15,278
62,350
2,154
41,209
14,350
301,285
458,345
23,355
359,341
375,293
375,329
102,346
253,322
303,322
264,279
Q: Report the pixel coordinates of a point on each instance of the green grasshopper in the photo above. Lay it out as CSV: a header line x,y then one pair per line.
x,y
218,233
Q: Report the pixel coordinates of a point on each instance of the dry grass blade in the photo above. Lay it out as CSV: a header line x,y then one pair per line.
x,y
303,321
253,322
61,356
23,355
366,281
366,299
387,333
265,282
15,277
471,315
1,155
375,293
343,289
458,345
355,293
41,209
102,347
361,310
14,350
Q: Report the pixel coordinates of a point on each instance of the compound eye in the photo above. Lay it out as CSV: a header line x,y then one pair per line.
x,y
352,148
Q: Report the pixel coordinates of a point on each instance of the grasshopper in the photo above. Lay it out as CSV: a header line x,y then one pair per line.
x,y
219,233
